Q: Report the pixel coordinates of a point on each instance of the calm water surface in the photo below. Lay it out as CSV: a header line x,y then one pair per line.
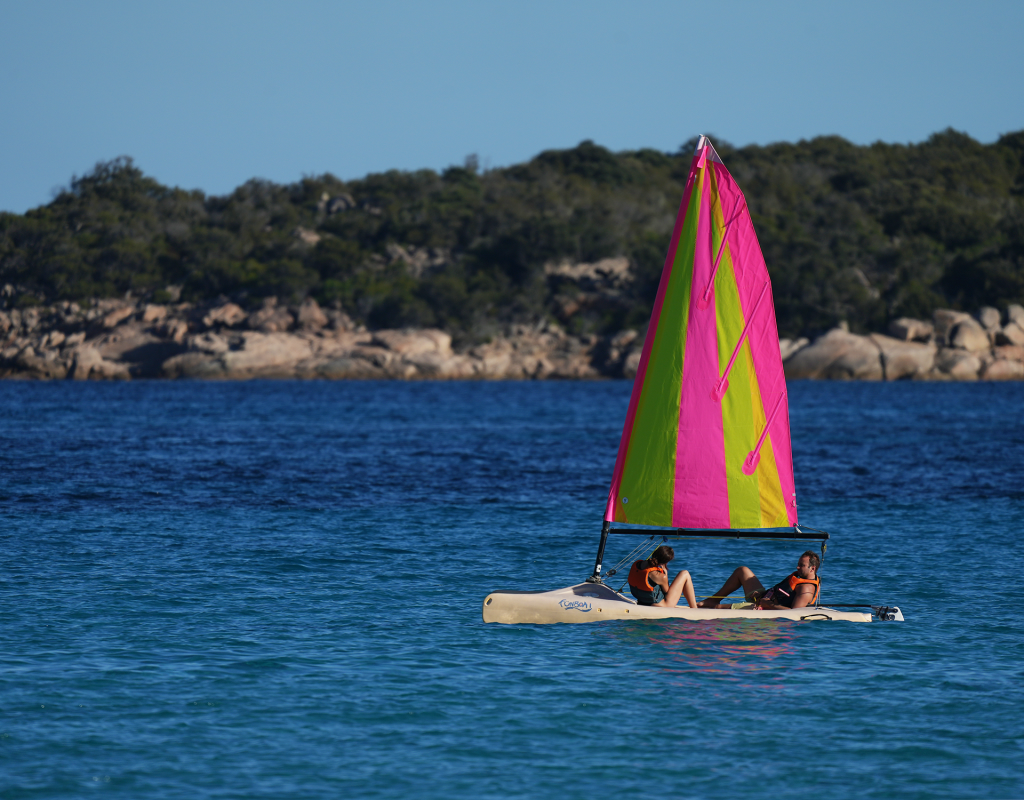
x,y
274,589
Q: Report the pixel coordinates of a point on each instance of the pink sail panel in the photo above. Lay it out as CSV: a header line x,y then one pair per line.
x,y
706,442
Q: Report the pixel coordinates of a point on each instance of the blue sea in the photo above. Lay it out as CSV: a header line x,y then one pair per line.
x,y
273,590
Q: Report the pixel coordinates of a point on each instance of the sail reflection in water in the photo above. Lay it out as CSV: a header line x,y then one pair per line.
x,y
729,651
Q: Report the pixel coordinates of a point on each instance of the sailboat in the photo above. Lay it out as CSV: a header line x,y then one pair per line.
x,y
705,449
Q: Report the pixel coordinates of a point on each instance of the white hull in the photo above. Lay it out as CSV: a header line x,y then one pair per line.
x,y
593,602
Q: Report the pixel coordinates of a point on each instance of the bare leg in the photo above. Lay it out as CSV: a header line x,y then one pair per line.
x,y
682,585
741,577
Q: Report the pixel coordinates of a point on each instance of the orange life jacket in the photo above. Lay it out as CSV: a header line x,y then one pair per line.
x,y
640,578
783,593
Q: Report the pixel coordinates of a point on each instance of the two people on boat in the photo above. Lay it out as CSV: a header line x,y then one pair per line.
x,y
798,590
648,582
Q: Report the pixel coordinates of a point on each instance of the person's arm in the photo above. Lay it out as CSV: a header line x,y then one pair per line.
x,y
803,595
660,578
802,598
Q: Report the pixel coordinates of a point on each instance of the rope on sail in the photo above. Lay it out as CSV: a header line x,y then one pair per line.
x,y
705,298
718,390
754,456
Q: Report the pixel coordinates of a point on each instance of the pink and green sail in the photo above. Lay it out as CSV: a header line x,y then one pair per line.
x,y
706,441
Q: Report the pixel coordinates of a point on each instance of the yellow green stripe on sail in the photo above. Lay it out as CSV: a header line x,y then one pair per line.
x,y
648,475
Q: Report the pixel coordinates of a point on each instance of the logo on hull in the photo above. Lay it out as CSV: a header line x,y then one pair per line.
x,y
578,605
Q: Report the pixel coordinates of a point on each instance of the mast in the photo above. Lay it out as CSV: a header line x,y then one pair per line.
x,y
605,530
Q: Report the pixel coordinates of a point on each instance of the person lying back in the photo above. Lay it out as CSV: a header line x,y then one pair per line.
x,y
648,581
797,591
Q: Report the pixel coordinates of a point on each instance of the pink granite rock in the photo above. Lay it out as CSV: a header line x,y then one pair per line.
x,y
903,359
838,355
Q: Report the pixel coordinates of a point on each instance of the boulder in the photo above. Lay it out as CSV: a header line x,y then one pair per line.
x,y
378,356
114,318
787,347
631,364
903,359
573,366
989,318
30,319
339,320
88,364
272,354
536,368
1003,370
271,318
419,261
310,317
112,345
175,330
208,342
340,344
460,367
434,365
1010,352
624,338
154,313
492,360
409,342
347,367
969,335
958,364
193,365
227,315
142,353
1012,333
258,355
54,338
838,355
607,272
909,329
306,236
945,320
1015,313
43,366
613,354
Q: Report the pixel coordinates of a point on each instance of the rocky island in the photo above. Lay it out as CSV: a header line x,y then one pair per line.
x,y
123,339
545,269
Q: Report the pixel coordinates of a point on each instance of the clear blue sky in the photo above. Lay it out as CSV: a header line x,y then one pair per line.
x,y
209,94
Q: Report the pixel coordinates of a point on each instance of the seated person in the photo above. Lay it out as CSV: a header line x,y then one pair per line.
x,y
797,591
648,581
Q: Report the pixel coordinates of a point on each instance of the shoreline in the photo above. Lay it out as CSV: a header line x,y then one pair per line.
x,y
123,340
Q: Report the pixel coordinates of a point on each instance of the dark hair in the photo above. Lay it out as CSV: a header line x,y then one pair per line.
x,y
663,555
815,560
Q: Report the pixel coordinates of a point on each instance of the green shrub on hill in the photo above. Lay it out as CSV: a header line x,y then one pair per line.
x,y
862,234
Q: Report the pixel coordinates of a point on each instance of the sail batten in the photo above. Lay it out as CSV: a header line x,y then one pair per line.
x,y
706,442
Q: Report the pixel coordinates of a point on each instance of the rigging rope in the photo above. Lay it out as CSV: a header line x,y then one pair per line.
x,y
631,556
